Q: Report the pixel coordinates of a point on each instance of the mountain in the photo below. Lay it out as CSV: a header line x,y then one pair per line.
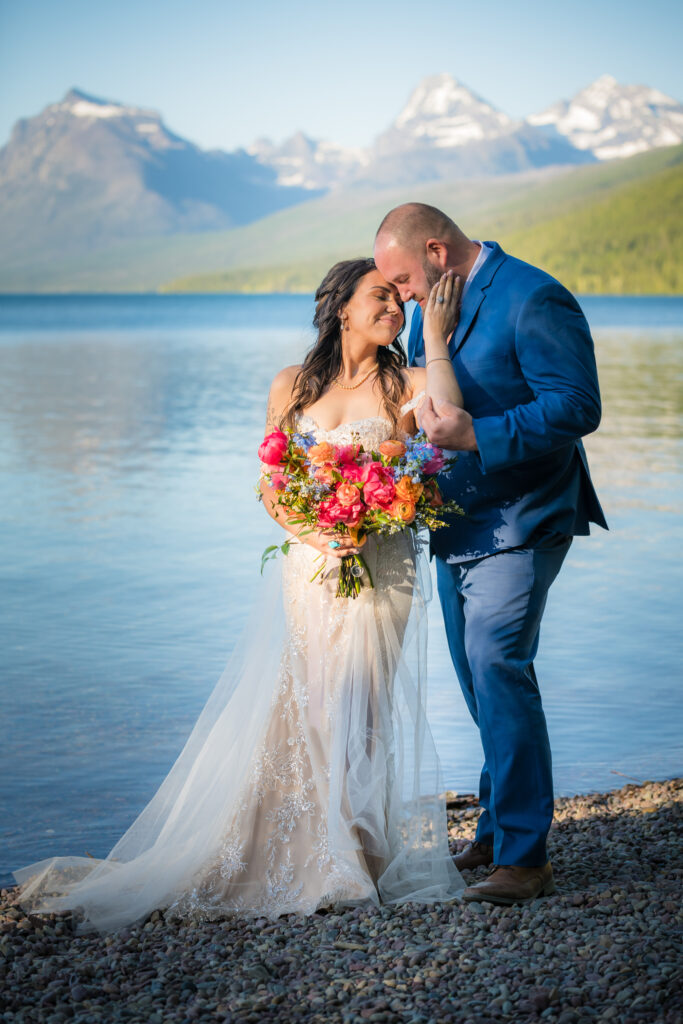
x,y
96,195
612,120
308,163
86,172
444,131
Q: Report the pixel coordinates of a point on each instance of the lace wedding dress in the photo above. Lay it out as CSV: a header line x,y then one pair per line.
x,y
310,777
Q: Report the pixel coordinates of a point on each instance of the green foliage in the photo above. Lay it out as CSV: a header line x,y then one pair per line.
x,y
263,280
629,242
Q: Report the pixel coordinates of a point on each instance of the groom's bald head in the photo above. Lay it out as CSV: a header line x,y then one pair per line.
x,y
411,224
415,244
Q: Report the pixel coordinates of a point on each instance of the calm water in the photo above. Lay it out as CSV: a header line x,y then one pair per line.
x,y
131,542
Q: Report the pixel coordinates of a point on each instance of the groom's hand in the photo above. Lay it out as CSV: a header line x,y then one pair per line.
x,y
447,425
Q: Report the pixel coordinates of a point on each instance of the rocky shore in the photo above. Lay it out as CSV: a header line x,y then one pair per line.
x,y
606,947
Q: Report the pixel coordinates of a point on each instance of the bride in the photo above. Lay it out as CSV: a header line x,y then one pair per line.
x,y
311,776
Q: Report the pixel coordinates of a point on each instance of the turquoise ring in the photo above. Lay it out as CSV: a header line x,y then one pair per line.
x,y
333,544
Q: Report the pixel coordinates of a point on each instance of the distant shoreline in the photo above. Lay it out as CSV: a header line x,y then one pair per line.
x,y
174,293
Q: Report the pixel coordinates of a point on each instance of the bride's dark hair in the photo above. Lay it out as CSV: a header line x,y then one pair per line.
x,y
323,362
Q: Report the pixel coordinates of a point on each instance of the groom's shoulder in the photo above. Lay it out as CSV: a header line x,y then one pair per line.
x,y
525,279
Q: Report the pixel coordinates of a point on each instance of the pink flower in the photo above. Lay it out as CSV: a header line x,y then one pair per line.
x,y
273,448
331,512
435,463
378,485
278,480
347,453
350,471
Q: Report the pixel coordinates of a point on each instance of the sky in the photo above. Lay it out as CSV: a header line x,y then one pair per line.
x,y
223,73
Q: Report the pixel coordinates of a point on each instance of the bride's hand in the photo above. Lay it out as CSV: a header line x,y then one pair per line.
x,y
442,309
320,540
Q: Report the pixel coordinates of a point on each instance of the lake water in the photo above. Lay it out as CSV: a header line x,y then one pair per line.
x,y
131,545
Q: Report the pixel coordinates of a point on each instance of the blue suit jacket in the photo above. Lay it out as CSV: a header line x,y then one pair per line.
x,y
523,356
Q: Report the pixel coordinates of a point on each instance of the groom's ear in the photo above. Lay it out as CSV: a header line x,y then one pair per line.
x,y
436,252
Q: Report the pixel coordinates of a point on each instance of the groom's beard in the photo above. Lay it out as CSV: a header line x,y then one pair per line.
x,y
432,275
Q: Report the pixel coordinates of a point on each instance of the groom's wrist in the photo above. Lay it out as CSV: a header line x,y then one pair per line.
x,y
471,439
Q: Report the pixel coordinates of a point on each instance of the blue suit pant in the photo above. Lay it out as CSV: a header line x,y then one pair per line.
x,y
492,608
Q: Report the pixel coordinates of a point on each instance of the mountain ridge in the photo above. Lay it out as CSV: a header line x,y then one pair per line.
x,y
612,120
446,129
88,179
88,171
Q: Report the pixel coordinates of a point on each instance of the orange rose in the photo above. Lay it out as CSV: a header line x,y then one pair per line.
x,y
319,454
347,494
404,510
392,449
407,490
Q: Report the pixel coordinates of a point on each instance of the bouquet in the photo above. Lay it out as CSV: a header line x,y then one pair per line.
x,y
353,492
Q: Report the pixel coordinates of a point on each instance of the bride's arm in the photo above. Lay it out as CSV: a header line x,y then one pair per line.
x,y
437,378
439,321
442,415
279,398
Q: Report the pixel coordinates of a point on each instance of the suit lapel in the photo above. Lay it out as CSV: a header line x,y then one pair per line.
x,y
476,293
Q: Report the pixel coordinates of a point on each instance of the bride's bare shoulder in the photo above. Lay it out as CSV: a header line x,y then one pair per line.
x,y
280,393
285,378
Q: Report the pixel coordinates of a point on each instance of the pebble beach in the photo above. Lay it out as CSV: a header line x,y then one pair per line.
x,y
605,947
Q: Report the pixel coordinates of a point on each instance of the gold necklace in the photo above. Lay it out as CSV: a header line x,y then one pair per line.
x,y
352,387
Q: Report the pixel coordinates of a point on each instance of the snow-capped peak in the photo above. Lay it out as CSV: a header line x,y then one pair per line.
x,y
308,163
81,105
601,90
443,112
90,109
614,120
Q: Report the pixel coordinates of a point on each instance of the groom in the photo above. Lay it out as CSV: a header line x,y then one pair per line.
x,y
523,356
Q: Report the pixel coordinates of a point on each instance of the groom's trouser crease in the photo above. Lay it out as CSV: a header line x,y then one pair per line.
x,y
492,609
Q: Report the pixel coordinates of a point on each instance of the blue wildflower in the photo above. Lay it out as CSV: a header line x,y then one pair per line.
x,y
304,440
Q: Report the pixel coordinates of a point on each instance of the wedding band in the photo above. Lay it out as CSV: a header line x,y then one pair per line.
x,y
439,298
333,544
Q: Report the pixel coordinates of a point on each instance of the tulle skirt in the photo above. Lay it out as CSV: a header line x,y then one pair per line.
x,y
310,777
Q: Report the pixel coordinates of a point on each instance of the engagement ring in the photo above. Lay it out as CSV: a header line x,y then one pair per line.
x,y
439,298
333,544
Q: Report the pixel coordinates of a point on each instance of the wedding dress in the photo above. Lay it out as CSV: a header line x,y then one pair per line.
x,y
310,777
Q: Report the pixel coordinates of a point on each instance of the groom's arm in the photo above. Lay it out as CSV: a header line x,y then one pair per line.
x,y
556,355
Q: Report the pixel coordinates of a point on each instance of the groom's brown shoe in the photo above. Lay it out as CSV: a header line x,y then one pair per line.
x,y
511,883
475,855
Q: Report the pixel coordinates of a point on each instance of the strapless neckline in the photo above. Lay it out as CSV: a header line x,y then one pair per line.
x,y
365,421
346,424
